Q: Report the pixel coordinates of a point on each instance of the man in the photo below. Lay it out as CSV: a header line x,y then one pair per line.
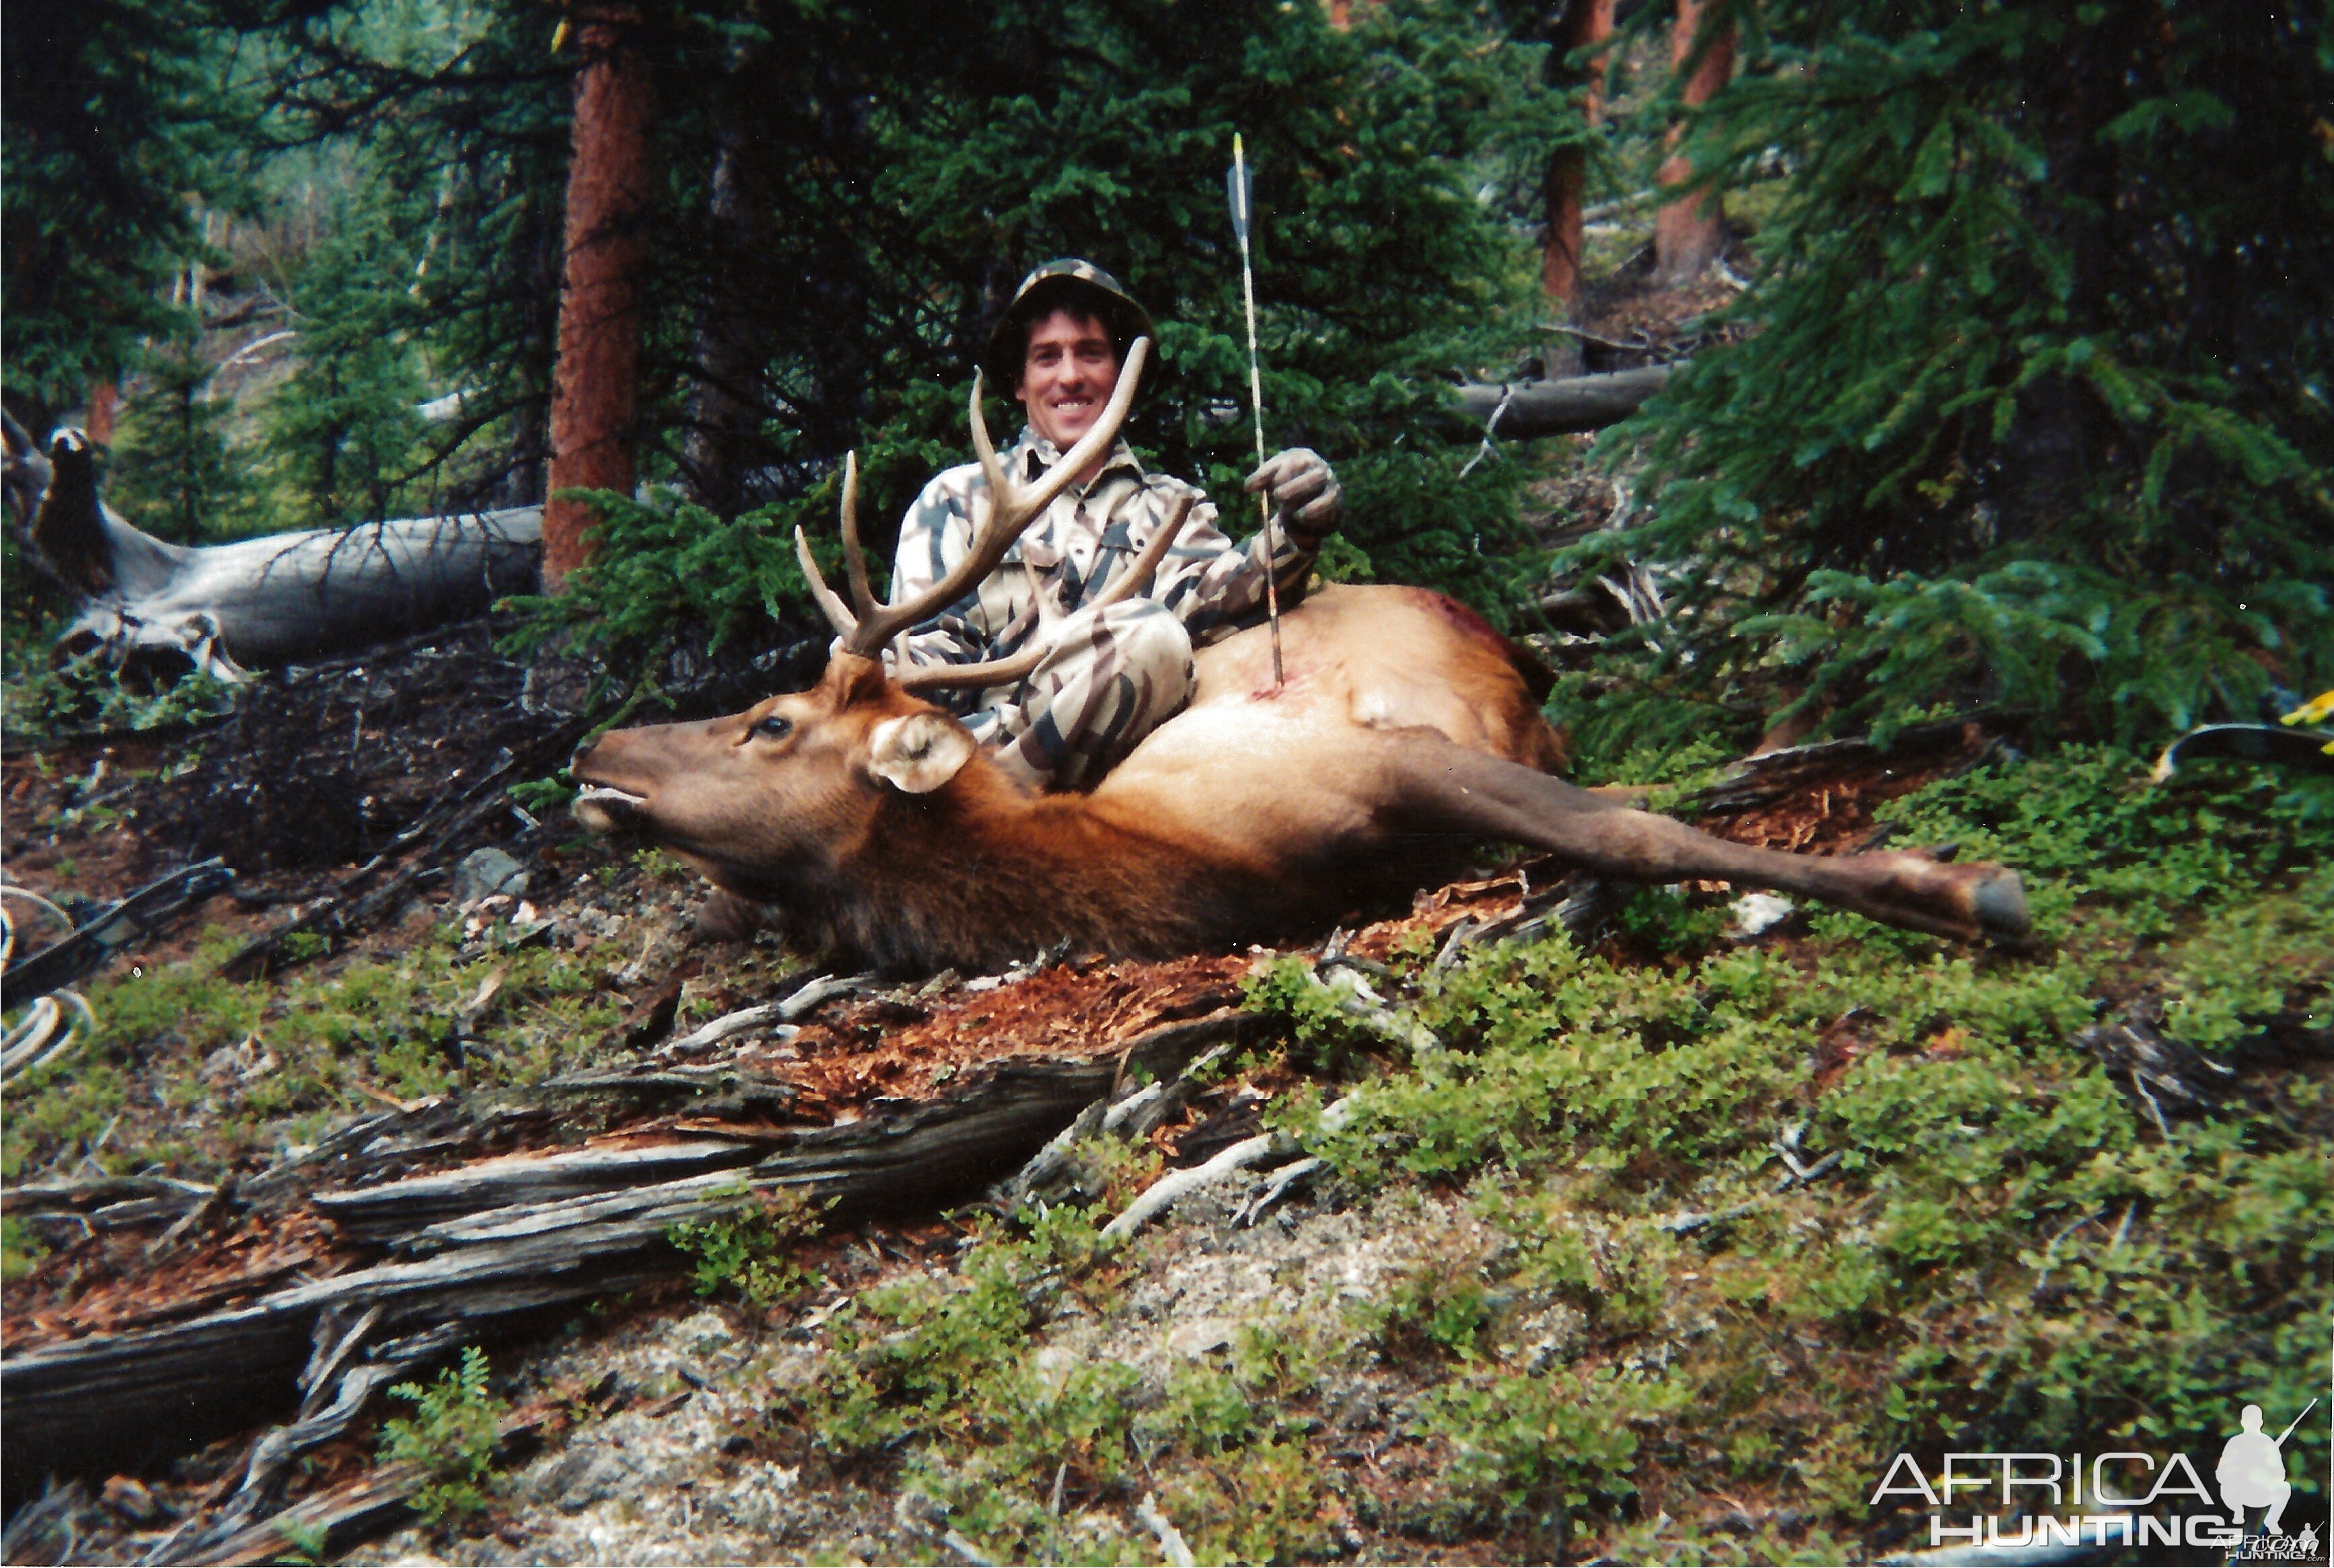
x,y
1115,674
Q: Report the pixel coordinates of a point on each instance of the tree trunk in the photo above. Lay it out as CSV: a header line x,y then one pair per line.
x,y
1584,24
841,375
104,404
1690,232
269,600
2048,458
593,387
722,415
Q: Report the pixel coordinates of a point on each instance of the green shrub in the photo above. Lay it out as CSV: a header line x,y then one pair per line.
x,y
450,1437
750,1251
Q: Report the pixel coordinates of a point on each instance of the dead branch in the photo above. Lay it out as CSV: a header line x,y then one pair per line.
x,y
91,946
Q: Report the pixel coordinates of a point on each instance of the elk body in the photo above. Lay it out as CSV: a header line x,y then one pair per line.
x,y
1405,735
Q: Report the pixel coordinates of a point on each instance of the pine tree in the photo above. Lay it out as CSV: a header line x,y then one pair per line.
x,y
115,114
2032,412
343,431
171,471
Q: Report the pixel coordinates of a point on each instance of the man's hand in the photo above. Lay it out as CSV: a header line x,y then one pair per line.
x,y
1300,484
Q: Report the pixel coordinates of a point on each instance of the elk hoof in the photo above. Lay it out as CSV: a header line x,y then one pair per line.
x,y
605,810
1998,905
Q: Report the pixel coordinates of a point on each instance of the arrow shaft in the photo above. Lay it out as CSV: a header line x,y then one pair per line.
x,y
1240,219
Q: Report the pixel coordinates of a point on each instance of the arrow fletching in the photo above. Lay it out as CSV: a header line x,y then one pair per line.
x,y
1240,190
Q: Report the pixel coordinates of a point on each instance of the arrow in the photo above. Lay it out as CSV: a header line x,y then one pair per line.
x,y
1240,190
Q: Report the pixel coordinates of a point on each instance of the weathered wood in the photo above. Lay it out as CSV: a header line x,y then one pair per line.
x,y
394,1209
100,1194
1529,409
493,1238
341,1517
269,600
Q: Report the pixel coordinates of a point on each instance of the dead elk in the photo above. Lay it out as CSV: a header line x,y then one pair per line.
x,y
1403,736
254,601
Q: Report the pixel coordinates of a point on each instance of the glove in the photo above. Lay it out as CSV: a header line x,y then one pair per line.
x,y
1307,492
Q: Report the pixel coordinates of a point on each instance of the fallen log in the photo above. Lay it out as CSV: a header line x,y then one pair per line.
x,y
1776,776
493,1238
1522,409
265,601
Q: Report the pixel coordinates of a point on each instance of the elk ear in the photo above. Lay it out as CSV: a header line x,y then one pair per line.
x,y
919,753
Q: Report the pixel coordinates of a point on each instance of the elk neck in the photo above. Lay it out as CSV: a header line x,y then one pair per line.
x,y
980,872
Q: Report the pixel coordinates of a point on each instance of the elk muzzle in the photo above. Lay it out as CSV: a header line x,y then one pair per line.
x,y
606,812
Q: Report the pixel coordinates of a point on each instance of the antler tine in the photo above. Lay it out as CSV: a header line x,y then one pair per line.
x,y
821,594
854,559
984,448
977,676
1009,514
1006,671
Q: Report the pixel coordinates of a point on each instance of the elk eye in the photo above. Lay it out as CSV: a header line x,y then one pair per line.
x,y
778,726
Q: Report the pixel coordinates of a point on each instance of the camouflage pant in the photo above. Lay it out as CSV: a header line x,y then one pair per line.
x,y
1114,675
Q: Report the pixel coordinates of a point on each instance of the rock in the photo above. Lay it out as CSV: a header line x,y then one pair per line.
x,y
581,1479
1756,914
486,872
1197,1338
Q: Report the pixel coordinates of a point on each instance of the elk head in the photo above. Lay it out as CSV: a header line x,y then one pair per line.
x,y
783,798
785,801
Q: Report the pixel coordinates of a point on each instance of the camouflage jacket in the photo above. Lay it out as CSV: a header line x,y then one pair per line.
x,y
1072,553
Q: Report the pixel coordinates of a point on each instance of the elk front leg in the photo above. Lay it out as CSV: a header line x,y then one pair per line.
x,y
1438,786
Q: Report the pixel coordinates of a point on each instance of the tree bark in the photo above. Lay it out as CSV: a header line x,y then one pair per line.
x,y
104,404
1584,24
1689,232
722,415
595,383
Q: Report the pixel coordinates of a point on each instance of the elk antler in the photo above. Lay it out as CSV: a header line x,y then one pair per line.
x,y
1006,671
1011,510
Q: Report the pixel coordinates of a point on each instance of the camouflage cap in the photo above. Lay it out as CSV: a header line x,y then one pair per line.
x,y
1069,281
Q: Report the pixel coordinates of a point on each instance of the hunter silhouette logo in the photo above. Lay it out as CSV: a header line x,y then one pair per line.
x,y
2252,1471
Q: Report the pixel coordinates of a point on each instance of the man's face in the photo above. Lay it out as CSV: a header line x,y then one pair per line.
x,y
1067,375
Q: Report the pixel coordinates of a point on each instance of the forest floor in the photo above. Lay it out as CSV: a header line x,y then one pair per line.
x,y
1654,1242
1557,1292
